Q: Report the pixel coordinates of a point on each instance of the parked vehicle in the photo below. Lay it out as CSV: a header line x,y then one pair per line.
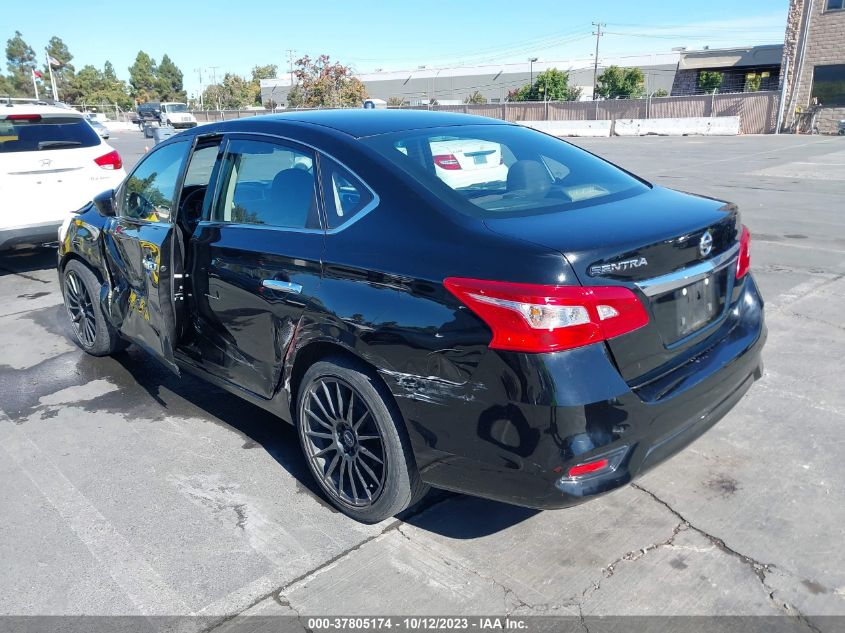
x,y
101,130
540,336
52,162
169,113
176,115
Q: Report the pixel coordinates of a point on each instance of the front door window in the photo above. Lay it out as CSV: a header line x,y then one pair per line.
x,y
148,192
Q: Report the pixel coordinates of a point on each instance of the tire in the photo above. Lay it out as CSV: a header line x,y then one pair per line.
x,y
337,441
81,292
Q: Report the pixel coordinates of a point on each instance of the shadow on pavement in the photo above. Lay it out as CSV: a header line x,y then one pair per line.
x,y
27,260
463,517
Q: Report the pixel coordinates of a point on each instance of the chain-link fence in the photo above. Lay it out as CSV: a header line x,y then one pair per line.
x,y
757,110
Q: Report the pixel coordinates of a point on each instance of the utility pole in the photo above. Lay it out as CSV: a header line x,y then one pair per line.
x,y
531,61
214,83
199,72
598,33
290,53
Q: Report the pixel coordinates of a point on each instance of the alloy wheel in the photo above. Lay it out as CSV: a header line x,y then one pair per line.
x,y
80,309
343,442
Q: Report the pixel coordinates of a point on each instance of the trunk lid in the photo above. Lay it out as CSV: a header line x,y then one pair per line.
x,y
674,250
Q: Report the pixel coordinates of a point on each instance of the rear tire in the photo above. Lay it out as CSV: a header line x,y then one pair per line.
x,y
81,291
355,442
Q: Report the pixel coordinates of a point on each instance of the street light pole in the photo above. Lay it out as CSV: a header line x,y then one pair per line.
x,y
531,61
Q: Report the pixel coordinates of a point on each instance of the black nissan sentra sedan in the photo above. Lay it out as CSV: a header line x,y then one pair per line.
x,y
432,299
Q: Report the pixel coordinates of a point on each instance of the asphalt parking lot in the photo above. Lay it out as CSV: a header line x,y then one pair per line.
x,y
129,491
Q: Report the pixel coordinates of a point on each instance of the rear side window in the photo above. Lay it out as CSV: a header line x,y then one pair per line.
x,y
266,183
46,133
345,195
492,171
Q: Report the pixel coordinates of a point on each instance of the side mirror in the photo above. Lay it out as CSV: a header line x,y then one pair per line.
x,y
104,203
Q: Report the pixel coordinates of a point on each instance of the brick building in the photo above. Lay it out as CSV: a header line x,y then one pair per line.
x,y
813,67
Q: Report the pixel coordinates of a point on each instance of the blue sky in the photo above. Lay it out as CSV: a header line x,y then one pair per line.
x,y
375,34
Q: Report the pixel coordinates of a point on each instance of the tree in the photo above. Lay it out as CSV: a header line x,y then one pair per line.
x,y
169,81
709,80
753,82
660,92
620,83
232,93
476,97
20,60
63,73
395,102
94,87
323,83
549,85
142,78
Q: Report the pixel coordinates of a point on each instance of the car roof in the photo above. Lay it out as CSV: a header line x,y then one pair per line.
x,y
360,122
36,108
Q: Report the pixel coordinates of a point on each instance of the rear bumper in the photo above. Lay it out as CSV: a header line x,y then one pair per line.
x,y
513,432
30,234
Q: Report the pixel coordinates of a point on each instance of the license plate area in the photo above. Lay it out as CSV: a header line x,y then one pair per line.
x,y
684,311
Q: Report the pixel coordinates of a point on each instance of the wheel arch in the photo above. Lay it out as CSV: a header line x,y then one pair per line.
x,y
71,256
319,349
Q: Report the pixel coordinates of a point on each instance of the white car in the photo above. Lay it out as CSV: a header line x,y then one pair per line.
x,y
51,164
468,162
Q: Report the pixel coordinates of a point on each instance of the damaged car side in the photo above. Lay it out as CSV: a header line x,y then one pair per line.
x,y
483,333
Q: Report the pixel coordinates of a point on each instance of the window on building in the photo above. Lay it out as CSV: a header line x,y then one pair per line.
x,y
833,5
829,85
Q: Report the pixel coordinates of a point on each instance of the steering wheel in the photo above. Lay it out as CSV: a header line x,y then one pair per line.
x,y
192,204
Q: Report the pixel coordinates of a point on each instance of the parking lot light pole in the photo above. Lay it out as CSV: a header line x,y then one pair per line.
x,y
531,61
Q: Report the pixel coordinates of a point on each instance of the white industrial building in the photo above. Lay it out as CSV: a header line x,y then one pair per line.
x,y
493,81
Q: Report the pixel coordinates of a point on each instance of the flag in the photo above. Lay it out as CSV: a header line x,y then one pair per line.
x,y
37,74
53,61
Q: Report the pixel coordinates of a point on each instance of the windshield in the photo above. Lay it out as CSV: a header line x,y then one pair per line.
x,y
494,171
175,107
56,132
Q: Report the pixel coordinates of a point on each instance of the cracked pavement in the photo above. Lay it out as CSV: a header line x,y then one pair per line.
x,y
128,491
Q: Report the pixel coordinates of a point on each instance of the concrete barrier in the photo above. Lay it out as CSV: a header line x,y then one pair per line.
x,y
571,128
703,126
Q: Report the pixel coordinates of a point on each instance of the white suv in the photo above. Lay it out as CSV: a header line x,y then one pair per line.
x,y
51,164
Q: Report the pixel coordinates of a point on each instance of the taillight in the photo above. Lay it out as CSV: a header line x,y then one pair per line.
x,y
447,161
23,117
111,160
743,263
535,318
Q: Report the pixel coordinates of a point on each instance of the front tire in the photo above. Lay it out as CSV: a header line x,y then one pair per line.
x,y
81,291
355,443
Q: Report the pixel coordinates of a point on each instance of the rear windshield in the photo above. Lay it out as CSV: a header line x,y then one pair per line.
x,y
48,133
492,171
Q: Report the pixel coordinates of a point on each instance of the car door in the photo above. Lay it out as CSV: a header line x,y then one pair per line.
x,y
139,245
256,260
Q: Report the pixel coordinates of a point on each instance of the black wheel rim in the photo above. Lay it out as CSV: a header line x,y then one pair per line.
x,y
80,309
343,442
